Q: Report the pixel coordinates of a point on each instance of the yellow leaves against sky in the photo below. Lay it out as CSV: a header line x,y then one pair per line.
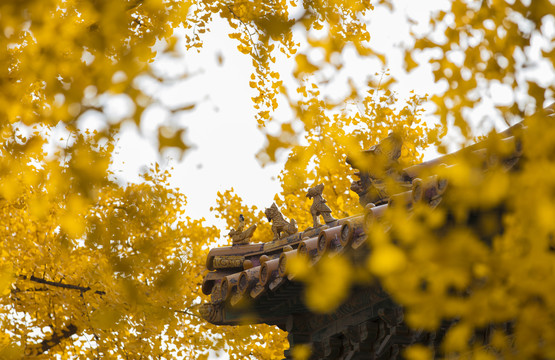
x,y
121,265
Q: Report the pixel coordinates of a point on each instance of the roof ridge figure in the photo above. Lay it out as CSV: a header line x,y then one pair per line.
x,y
240,237
279,224
319,206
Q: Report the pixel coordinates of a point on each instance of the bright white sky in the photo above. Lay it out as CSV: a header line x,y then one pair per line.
x,y
222,126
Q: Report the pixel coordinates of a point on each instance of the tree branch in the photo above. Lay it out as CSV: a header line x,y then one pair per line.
x,y
57,338
61,285
186,312
247,30
51,341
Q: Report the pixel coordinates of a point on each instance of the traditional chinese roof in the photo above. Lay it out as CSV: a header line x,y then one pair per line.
x,y
254,274
251,281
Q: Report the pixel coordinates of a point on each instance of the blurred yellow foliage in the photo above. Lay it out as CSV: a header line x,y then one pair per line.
x,y
301,352
90,268
328,285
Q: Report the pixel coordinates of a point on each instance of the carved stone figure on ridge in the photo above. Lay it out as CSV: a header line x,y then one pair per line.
x,y
319,206
279,224
378,163
240,237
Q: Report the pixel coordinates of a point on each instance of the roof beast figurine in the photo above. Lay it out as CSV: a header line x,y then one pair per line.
x,y
279,224
379,163
319,206
240,237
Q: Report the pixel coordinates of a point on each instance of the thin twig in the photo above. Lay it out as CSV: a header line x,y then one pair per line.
x,y
246,29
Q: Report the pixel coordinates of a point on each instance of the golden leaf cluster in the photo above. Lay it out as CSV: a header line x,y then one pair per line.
x,y
91,268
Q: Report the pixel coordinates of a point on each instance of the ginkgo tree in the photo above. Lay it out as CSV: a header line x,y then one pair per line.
x,y
93,268
90,267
